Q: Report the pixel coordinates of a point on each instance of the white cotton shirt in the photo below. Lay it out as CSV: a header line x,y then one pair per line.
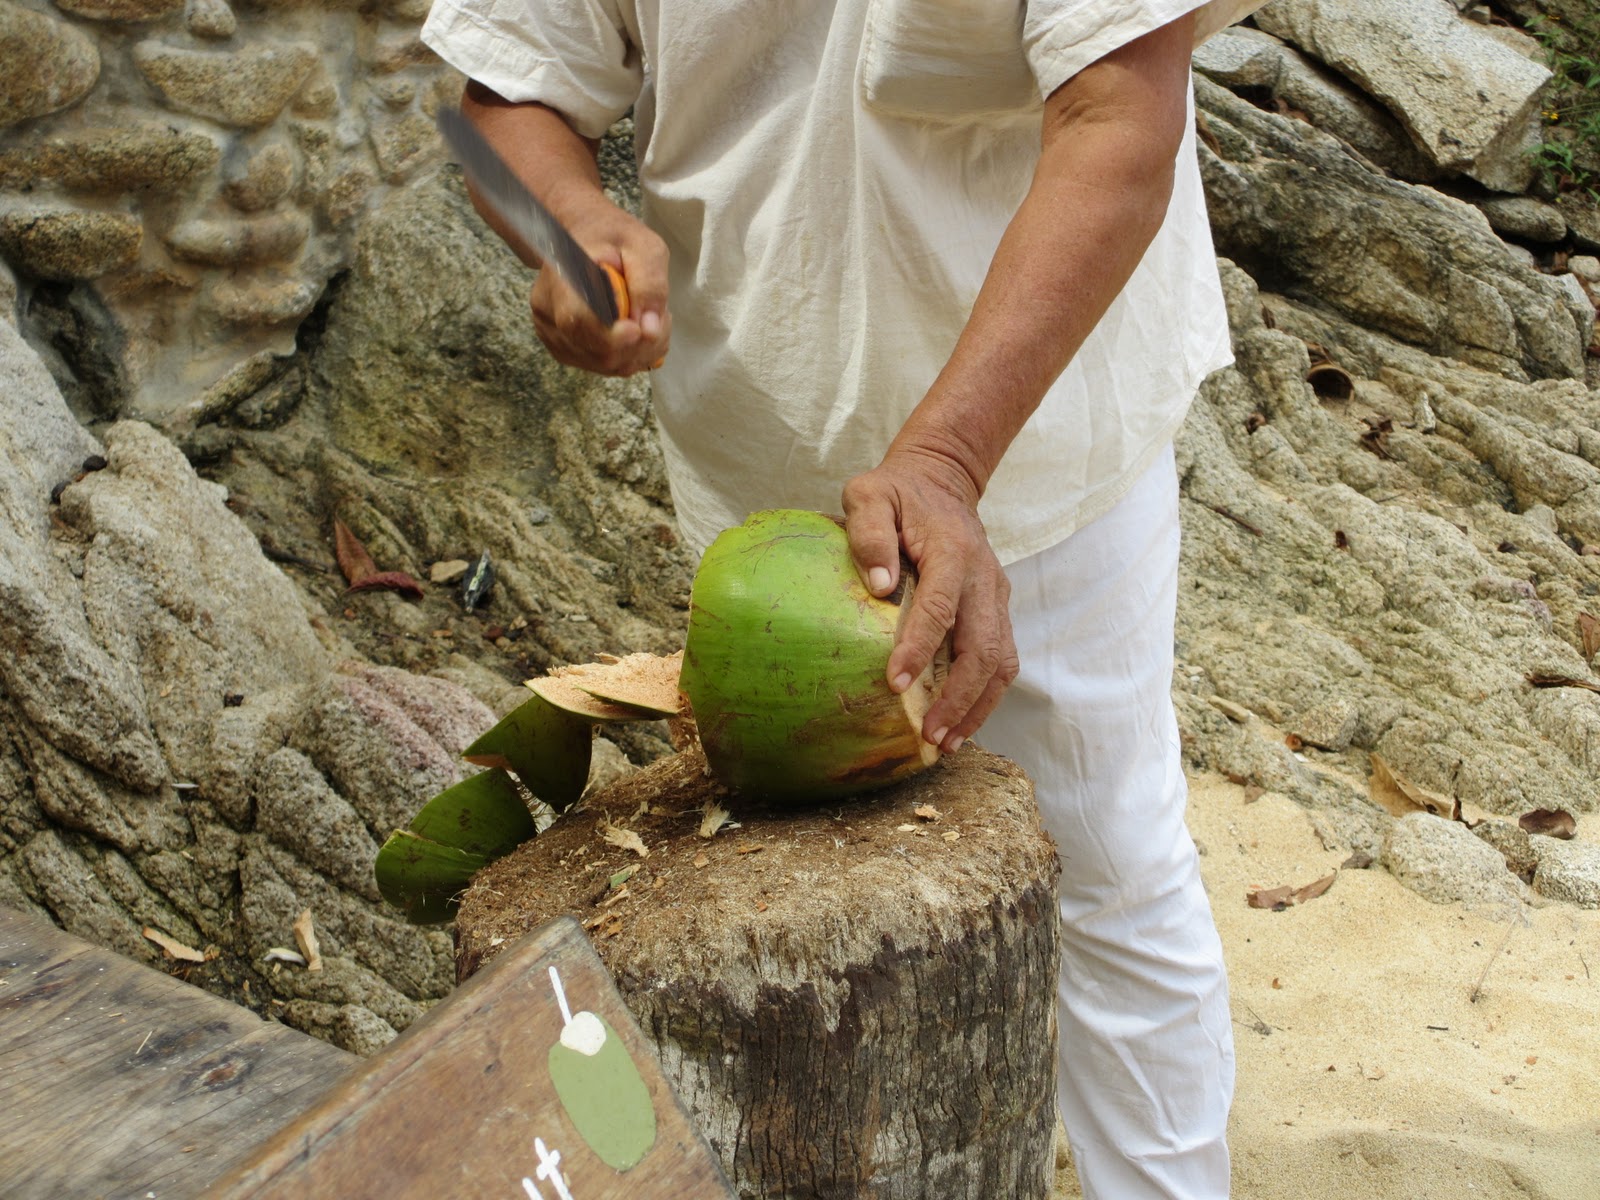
x,y
832,178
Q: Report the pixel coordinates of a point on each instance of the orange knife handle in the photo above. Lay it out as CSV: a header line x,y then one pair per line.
x,y
619,289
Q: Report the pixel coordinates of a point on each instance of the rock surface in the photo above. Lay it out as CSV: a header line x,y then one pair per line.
x,y
183,743
1468,99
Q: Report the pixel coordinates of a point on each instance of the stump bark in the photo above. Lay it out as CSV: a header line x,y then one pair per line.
x,y
852,1000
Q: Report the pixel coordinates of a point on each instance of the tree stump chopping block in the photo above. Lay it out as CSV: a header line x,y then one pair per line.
x,y
854,999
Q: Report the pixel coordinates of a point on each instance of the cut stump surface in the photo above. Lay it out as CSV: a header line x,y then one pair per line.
x,y
852,999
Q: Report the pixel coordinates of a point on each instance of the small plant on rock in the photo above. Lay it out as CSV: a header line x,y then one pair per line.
x,y
1568,157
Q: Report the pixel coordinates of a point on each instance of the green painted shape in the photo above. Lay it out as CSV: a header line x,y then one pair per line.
x,y
784,663
544,746
422,878
483,814
606,1099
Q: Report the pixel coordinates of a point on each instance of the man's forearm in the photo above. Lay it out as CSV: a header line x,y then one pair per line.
x,y
1098,197
546,153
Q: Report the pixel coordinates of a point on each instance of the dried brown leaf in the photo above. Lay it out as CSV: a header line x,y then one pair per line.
x,y
173,947
1543,679
1589,630
388,581
1552,822
305,936
353,558
700,860
1277,898
1315,888
927,812
1399,796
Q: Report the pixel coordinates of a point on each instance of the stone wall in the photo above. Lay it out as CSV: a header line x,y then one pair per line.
x,y
179,180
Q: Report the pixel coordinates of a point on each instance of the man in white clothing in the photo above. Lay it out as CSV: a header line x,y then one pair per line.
x,y
944,263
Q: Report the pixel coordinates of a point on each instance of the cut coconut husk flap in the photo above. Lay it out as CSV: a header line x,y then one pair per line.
x,y
422,878
545,746
785,665
563,692
639,681
483,814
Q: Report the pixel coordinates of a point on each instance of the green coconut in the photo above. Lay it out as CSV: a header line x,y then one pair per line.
x,y
784,669
785,663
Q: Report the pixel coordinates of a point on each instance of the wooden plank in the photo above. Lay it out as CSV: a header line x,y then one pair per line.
x,y
487,1096
117,1080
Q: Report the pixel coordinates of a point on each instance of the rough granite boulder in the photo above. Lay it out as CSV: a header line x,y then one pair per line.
x,y
1469,100
1305,217
184,742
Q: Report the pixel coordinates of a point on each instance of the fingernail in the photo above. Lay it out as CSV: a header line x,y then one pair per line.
x,y
878,579
650,322
902,681
955,745
938,736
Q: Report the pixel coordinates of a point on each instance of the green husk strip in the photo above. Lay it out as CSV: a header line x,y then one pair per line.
x,y
483,814
785,665
542,745
423,878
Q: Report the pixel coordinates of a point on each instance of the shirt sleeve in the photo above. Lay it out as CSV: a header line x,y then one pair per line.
x,y
573,55
1062,37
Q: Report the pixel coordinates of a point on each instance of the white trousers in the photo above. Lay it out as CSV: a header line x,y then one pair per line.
x,y
1145,1066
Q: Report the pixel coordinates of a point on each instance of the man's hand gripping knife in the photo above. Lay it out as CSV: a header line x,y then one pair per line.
x,y
561,169
1110,139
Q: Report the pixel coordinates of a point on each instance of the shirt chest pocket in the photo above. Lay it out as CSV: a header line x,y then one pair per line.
x,y
946,60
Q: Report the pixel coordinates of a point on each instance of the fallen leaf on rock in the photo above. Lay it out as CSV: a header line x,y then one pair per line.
x,y
712,818
951,836
306,938
700,860
625,839
1543,679
388,581
905,828
751,848
1589,630
927,812
1400,796
173,947
353,558
361,573
1552,822
1359,860
448,571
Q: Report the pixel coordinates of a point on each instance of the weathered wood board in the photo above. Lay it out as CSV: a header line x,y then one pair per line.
x,y
117,1080
531,1082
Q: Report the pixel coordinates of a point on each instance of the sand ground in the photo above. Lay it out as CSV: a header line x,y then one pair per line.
x,y
1365,1068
